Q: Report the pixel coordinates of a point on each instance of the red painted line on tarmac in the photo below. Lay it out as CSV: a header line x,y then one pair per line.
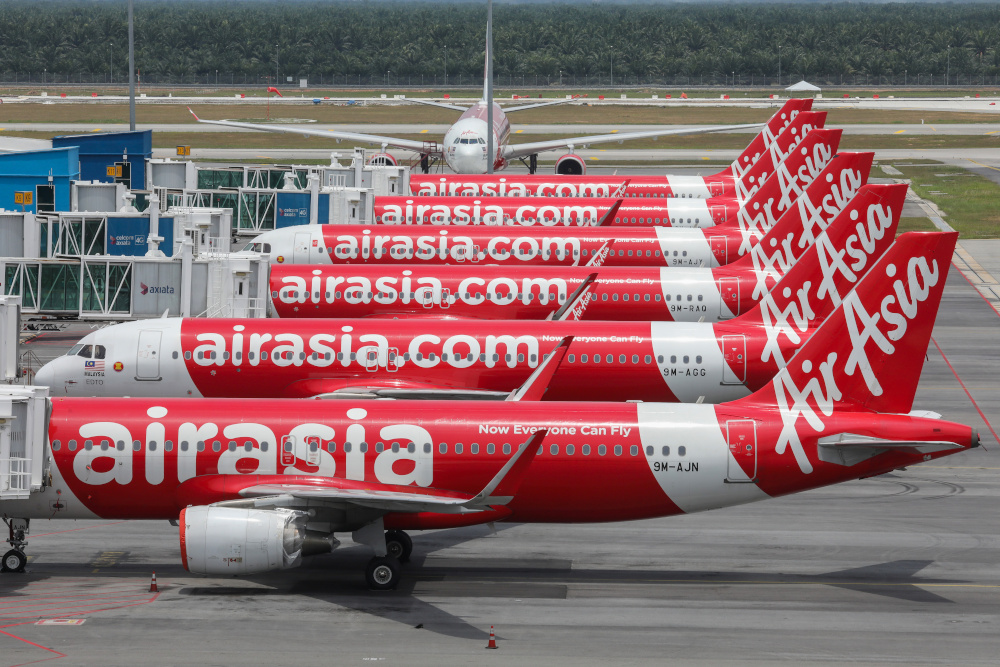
x,y
58,654
965,389
28,641
962,273
70,530
96,603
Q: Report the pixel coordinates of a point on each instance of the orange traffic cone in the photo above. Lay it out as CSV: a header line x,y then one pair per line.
x,y
493,639
152,585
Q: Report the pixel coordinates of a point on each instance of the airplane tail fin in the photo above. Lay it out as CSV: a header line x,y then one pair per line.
x,y
774,126
869,353
819,205
830,264
778,193
750,180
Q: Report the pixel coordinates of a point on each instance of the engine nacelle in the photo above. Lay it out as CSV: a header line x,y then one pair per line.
x,y
231,540
571,165
382,160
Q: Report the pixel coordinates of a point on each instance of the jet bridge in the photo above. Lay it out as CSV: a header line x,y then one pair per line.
x,y
24,413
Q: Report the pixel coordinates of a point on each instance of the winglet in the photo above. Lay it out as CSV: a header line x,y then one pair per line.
x,y
609,217
538,383
620,192
194,114
576,304
505,482
597,261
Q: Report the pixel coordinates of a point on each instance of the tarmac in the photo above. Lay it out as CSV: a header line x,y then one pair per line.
x,y
898,569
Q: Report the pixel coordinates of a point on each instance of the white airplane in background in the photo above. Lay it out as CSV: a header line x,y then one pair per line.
x,y
465,143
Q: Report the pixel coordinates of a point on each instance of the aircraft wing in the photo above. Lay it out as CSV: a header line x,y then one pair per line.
x,y
415,393
540,104
443,105
513,151
393,498
374,139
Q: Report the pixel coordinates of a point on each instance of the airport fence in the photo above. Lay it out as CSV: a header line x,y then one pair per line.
x,y
224,80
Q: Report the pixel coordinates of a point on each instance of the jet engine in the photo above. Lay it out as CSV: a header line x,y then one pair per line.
x,y
382,160
232,540
572,165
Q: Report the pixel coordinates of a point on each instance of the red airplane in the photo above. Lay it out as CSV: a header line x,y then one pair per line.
x,y
804,161
785,127
434,358
582,292
822,200
257,485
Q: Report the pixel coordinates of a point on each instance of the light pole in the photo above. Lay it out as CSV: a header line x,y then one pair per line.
x,y
904,78
947,77
387,78
612,67
275,64
216,78
111,62
560,77
779,65
734,79
446,65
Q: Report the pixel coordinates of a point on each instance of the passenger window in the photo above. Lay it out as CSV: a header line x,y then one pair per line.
x,y
475,448
586,450
601,450
649,450
682,450
634,450
554,449
618,450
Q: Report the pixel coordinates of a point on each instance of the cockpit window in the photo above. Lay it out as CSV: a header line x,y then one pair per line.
x,y
458,140
258,247
88,351
482,141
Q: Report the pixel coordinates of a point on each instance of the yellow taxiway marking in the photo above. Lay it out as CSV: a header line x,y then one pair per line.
x,y
96,129
988,133
423,131
518,131
899,131
594,158
614,131
982,165
933,129
264,157
705,157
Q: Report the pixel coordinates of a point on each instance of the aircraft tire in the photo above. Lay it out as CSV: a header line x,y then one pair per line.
x,y
13,561
398,545
382,573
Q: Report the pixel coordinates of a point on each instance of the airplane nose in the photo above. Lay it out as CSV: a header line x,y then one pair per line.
x,y
45,375
469,159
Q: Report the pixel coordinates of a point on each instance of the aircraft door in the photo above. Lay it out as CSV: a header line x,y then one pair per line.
x,y
312,450
300,250
729,290
147,362
741,437
371,360
287,450
734,359
720,249
719,214
716,189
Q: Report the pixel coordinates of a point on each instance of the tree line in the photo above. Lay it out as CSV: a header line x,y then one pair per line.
x,y
436,43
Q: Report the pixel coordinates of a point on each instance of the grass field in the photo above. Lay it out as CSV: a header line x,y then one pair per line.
x,y
969,200
63,112
915,225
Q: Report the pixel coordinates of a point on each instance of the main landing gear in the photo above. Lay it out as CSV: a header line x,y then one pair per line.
x,y
384,572
398,545
15,560
391,548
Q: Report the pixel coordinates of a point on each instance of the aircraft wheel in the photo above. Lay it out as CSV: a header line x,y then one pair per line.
x,y
13,561
398,545
382,573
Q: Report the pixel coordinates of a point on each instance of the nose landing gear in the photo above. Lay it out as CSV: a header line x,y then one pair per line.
x,y
15,560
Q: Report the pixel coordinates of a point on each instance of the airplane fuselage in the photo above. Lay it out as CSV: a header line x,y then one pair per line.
x,y
465,142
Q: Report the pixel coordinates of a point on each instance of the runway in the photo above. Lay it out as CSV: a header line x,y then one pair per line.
x,y
899,569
